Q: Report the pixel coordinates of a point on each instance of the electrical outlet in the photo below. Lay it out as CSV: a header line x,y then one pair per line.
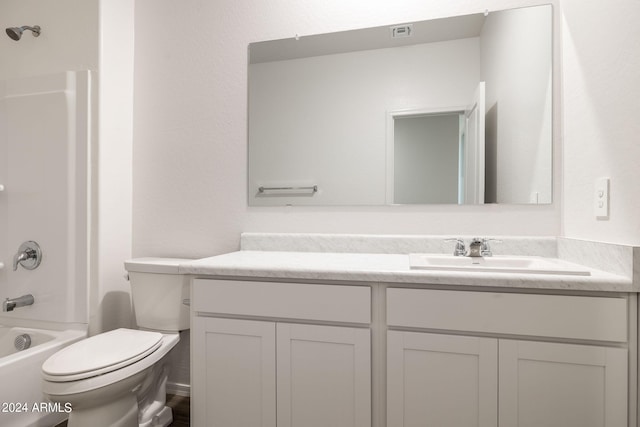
x,y
601,207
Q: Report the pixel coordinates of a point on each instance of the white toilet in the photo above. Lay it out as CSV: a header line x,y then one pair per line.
x,y
118,378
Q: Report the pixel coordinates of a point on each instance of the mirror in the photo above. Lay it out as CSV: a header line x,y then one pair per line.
x,y
448,111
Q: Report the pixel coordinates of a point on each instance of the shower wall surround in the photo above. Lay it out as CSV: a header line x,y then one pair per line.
x,y
97,36
44,144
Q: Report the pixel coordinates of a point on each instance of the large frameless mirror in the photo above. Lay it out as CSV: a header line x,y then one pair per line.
x,y
448,111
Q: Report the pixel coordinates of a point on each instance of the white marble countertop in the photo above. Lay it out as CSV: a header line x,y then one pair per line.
x,y
386,268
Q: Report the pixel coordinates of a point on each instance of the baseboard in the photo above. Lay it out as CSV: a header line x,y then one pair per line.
x,y
179,389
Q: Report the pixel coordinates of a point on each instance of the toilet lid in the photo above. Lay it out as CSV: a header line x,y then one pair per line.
x,y
100,354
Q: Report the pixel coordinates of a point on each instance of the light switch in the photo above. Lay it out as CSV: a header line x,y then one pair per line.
x,y
601,207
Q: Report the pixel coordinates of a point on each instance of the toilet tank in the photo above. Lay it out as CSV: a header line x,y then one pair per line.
x,y
159,293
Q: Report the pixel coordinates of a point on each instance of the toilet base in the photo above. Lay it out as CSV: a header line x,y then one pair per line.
x,y
118,413
161,419
122,413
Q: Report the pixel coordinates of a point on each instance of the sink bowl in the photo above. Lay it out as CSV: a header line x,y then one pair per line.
x,y
496,264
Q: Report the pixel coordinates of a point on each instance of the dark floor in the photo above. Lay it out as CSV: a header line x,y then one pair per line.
x,y
180,406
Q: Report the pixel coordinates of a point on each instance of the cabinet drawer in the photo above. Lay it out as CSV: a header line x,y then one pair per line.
x,y
575,317
332,303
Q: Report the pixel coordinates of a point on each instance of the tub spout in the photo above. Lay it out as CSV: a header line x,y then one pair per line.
x,y
10,303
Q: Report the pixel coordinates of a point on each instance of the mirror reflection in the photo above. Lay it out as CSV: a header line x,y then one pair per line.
x,y
448,111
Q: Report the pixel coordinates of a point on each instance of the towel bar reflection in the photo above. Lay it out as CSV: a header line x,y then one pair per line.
x,y
313,189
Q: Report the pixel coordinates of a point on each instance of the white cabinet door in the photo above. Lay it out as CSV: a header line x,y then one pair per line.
x,y
235,363
562,385
441,380
323,376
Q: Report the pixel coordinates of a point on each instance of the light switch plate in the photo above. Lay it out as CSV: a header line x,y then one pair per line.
x,y
601,198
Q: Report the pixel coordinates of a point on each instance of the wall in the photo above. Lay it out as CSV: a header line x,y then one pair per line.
x,y
322,119
68,41
601,90
110,301
190,132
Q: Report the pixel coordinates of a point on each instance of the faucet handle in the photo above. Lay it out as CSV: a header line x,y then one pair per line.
x,y
29,256
460,249
485,249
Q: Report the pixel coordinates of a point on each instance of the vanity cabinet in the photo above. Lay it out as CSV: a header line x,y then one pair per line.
x,y
555,384
452,378
323,376
449,380
441,380
236,382
298,361
274,354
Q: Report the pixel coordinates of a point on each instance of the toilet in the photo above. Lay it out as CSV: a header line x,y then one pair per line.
x,y
118,378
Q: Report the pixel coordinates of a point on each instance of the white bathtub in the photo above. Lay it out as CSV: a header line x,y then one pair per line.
x,y
21,400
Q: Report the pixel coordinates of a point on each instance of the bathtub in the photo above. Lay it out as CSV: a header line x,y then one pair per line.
x,y
21,401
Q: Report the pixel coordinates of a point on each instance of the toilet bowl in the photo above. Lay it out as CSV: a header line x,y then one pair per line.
x,y
118,378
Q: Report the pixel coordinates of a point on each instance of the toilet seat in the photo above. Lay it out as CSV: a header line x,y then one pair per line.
x,y
68,389
100,354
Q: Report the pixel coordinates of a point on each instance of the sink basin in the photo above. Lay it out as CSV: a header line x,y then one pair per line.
x,y
496,264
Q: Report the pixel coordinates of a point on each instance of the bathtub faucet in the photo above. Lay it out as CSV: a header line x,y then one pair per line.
x,y
10,303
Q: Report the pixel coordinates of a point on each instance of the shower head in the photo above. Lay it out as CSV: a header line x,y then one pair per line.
x,y
16,32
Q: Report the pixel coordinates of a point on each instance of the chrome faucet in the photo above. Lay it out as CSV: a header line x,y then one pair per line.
x,y
28,256
478,247
10,303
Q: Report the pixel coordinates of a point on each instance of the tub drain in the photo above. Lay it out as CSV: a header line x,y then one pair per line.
x,y
22,342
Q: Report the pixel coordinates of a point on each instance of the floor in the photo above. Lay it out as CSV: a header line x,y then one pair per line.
x,y
180,406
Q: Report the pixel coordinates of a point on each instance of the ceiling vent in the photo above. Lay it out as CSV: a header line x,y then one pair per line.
x,y
404,30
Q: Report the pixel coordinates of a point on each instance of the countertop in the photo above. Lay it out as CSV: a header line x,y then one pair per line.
x,y
386,268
